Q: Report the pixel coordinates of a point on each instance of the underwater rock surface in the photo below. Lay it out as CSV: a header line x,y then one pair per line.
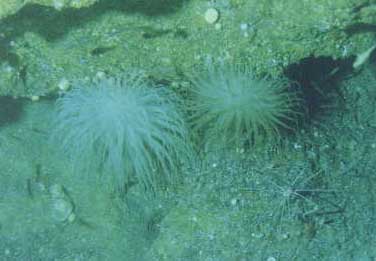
x,y
9,7
41,46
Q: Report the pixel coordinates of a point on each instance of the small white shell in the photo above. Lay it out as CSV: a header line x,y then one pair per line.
x,y
211,15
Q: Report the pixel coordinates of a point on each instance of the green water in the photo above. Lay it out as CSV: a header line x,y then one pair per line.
x,y
304,191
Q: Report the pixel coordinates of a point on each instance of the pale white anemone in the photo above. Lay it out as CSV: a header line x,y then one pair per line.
x,y
229,105
124,129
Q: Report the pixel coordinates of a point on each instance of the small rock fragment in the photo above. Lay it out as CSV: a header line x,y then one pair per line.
x,y
211,15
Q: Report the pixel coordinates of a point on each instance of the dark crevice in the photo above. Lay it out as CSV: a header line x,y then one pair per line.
x,y
52,24
358,8
10,109
8,56
360,28
317,80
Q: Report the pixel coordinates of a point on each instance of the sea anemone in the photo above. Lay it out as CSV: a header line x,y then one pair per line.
x,y
125,129
230,106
